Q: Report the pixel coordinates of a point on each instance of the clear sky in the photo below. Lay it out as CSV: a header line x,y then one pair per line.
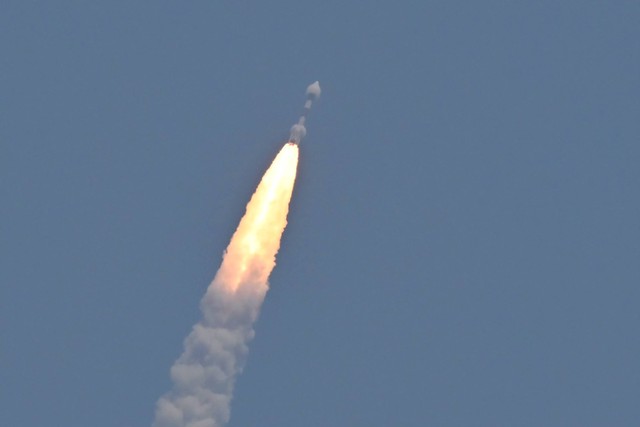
x,y
464,238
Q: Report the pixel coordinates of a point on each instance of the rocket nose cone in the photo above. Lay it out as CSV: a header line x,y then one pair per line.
x,y
314,89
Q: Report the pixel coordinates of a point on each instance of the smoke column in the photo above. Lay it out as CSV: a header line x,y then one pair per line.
x,y
215,350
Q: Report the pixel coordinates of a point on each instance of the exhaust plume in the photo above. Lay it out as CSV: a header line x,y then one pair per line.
x,y
298,131
215,350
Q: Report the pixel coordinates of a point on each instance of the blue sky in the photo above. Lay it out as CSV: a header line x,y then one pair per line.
x,y
464,237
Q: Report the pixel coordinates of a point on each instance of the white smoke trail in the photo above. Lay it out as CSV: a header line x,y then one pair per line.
x,y
215,350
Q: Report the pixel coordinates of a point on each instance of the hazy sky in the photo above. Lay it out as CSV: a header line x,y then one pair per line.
x,y
463,245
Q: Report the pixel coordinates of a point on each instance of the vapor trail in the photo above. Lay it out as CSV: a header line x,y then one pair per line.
x,y
215,350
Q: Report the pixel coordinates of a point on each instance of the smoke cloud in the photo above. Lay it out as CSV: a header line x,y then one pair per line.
x,y
215,350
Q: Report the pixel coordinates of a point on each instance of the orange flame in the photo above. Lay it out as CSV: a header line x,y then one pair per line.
x,y
251,254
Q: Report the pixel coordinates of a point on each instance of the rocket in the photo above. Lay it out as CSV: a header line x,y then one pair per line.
x,y
298,131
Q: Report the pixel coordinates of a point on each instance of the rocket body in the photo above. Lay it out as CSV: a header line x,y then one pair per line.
x,y
299,131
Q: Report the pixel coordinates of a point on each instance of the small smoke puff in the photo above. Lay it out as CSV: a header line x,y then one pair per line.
x,y
314,89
